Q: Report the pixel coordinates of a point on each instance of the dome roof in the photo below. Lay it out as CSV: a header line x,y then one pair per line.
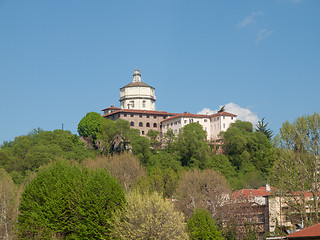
x,y
137,84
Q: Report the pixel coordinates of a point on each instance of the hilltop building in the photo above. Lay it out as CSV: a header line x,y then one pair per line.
x,y
137,94
137,105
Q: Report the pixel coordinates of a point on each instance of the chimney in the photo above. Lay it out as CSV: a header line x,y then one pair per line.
x,y
268,188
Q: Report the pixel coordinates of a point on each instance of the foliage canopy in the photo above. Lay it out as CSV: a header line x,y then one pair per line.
x,y
70,201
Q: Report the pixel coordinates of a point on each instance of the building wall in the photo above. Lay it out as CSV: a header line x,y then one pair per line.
x,y
212,125
141,121
177,123
218,124
142,97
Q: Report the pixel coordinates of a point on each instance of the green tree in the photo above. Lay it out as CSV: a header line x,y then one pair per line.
x,y
153,136
90,125
262,127
27,153
148,216
296,168
67,200
191,146
101,196
222,109
8,205
163,181
221,163
201,226
123,132
107,135
141,148
169,139
165,160
243,146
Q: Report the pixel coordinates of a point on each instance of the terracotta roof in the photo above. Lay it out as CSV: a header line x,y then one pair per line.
x,y
186,115
223,114
137,84
312,232
111,108
248,193
200,115
140,111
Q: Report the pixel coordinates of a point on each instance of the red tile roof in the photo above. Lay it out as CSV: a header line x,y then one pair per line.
x,y
200,115
300,193
186,115
151,112
223,114
260,192
313,231
248,193
111,108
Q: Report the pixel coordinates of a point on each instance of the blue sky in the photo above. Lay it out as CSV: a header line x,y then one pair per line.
x,y
62,59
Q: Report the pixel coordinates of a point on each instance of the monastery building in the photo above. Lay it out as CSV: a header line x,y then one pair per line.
x,y
137,106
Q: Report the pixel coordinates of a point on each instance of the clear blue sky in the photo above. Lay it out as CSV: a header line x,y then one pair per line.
x,y
62,59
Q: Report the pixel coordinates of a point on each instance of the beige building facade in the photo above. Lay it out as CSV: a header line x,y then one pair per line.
x,y
137,105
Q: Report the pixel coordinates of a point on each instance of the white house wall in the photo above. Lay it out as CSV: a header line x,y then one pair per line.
x,y
218,124
213,126
177,123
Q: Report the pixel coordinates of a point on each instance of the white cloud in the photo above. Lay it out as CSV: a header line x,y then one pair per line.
x,y
249,19
262,34
244,114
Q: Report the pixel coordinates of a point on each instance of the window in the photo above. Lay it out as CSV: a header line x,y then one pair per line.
x,y
148,116
231,118
142,132
155,125
205,120
164,126
118,115
131,115
164,117
260,218
175,123
185,121
154,116
140,124
124,114
140,115
171,124
224,117
148,124
224,125
131,124
144,104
